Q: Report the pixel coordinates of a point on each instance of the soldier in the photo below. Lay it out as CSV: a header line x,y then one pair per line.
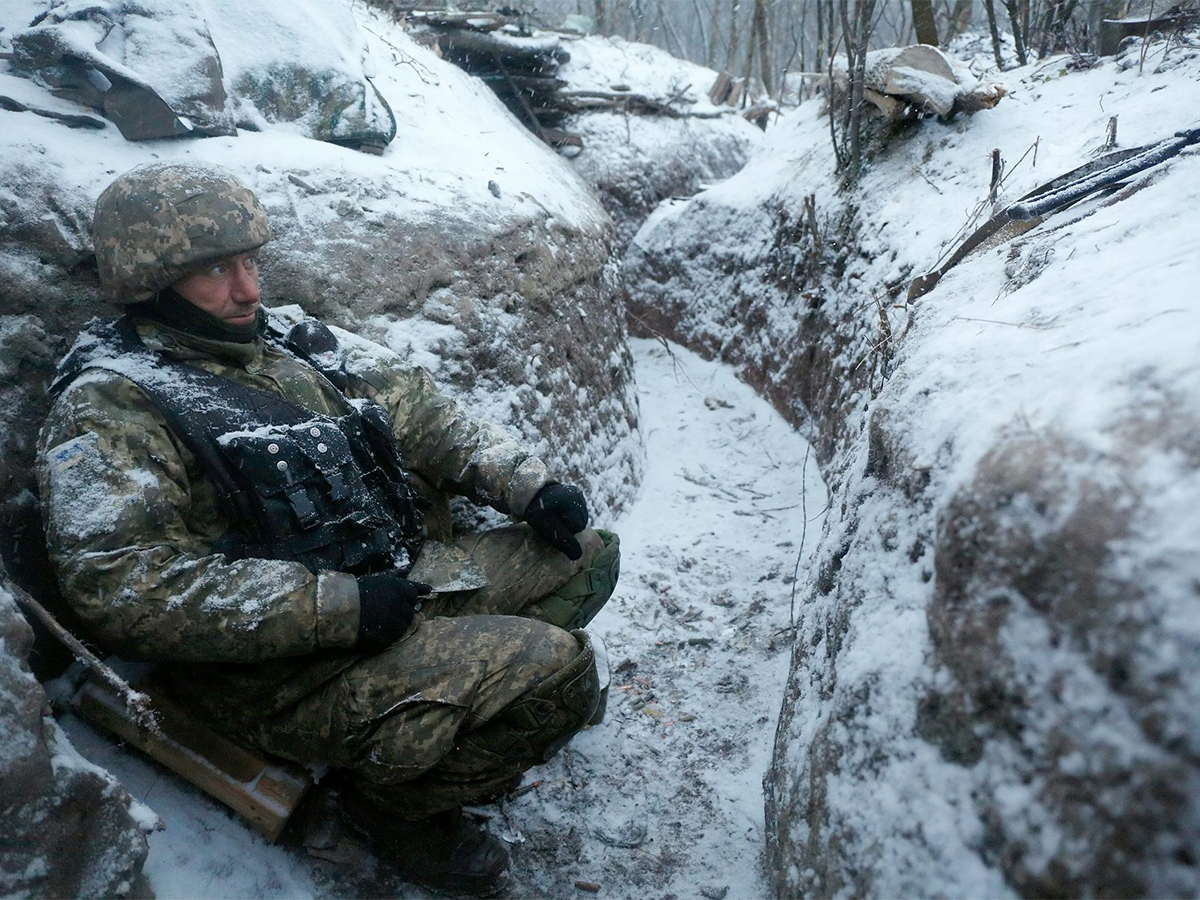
x,y
260,504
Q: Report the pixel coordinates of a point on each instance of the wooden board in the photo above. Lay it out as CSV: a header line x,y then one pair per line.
x,y
264,791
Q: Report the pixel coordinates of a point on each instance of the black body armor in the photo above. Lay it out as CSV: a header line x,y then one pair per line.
x,y
330,493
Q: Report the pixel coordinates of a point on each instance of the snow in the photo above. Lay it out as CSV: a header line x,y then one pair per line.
x,y
1086,328
666,792
616,65
442,144
15,680
1089,329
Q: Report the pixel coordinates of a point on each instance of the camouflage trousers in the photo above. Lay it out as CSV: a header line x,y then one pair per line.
x,y
471,696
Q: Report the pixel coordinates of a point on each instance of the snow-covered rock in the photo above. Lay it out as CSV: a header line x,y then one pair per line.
x,y
190,68
150,67
634,161
994,681
68,829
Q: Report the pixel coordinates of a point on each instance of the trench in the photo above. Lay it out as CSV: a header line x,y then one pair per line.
x,y
664,797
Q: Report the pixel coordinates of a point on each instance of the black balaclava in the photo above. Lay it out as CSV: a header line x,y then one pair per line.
x,y
175,311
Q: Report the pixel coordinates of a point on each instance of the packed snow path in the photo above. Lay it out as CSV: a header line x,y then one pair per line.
x,y
665,796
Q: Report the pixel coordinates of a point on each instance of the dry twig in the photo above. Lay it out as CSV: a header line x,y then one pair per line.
x,y
137,702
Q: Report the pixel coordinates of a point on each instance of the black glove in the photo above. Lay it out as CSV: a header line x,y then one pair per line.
x,y
386,606
557,512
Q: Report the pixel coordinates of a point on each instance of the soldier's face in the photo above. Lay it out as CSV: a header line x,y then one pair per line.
x,y
227,289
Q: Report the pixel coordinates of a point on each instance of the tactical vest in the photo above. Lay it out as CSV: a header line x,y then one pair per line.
x,y
327,492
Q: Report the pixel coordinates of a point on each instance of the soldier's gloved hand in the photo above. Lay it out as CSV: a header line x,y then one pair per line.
x,y
557,513
386,605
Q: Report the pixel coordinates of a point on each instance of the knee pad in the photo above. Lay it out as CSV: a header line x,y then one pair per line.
x,y
576,603
540,722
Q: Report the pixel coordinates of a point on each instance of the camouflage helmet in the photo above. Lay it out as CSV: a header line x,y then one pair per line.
x,y
157,223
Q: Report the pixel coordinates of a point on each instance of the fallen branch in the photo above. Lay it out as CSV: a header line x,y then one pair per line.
x,y
580,100
1104,174
137,703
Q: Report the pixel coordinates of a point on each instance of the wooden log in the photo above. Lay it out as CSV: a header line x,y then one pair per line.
x,y
892,107
545,113
1113,31
263,791
560,138
531,83
720,89
735,93
542,53
477,21
638,103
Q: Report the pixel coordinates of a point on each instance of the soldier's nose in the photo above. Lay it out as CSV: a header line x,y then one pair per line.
x,y
245,285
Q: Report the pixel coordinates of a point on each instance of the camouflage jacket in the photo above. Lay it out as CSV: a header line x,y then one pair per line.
x,y
131,518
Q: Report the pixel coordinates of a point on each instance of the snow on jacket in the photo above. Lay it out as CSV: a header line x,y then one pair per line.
x,y
131,518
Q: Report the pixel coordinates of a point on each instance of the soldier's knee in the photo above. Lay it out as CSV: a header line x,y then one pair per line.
x,y
577,602
542,720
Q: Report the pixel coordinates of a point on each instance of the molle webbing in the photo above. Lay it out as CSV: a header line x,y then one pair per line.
x,y
327,492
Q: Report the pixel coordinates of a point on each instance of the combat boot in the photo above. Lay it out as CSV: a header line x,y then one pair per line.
x,y
446,852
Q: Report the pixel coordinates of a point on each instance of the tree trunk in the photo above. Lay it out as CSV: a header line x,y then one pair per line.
x,y
1016,18
670,37
639,20
961,17
764,46
820,62
857,35
749,66
989,5
924,22
731,56
706,43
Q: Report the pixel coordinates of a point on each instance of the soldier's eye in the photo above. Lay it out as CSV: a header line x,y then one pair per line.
x,y
217,271
251,263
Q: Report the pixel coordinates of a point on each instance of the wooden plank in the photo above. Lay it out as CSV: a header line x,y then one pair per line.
x,y
527,58
263,791
720,89
735,93
1113,31
533,83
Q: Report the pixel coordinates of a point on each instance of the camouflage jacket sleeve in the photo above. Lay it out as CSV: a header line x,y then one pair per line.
x,y
441,443
129,524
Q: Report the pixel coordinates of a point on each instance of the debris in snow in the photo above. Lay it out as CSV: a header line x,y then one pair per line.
x,y
912,82
519,67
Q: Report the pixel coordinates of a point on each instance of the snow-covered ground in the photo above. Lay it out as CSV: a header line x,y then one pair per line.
x,y
1005,606
664,797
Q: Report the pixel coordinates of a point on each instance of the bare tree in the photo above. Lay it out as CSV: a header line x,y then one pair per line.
x,y
990,6
759,36
925,22
714,36
960,16
1018,12
732,47
857,23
